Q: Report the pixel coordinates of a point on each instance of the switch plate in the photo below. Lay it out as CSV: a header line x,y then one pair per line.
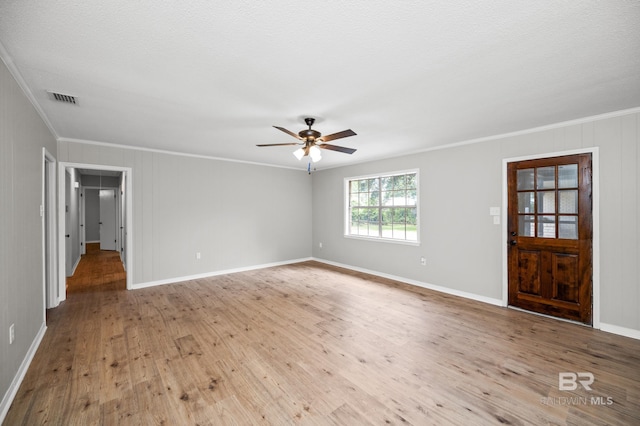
x,y
320,245
494,211
496,220
12,333
198,256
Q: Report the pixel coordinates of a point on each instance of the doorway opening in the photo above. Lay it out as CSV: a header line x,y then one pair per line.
x,y
95,222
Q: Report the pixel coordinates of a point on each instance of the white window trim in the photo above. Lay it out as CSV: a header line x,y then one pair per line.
x,y
346,212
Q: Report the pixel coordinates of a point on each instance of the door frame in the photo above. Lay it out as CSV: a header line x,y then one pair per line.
x,y
66,235
62,168
120,217
595,165
48,215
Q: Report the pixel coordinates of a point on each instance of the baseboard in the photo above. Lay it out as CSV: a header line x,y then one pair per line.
x,y
19,377
215,273
446,290
73,270
622,331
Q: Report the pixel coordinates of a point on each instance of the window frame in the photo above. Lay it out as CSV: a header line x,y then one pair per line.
x,y
347,208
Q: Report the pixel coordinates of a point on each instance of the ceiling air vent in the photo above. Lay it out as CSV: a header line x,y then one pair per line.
x,y
67,99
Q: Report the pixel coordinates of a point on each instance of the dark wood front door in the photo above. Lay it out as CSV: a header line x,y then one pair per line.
x,y
550,236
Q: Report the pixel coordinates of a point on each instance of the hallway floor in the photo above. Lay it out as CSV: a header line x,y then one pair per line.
x,y
98,270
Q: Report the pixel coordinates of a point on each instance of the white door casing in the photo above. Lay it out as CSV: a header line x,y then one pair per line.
x,y
129,246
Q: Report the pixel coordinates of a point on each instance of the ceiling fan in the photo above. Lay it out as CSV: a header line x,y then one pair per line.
x,y
312,140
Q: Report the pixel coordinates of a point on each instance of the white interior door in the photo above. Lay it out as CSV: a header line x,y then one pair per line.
x,y
107,219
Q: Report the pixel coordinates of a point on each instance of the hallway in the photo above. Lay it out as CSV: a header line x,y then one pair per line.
x,y
98,270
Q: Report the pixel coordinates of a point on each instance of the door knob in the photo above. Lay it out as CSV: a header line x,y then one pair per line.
x,y
67,235
513,242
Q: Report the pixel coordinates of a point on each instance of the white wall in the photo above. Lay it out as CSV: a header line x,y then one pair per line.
x,y
462,246
22,136
235,214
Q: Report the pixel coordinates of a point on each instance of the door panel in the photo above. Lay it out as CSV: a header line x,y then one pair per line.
x,y
565,277
529,272
550,236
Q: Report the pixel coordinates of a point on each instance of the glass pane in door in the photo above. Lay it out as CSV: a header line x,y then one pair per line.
x,y
546,202
568,201
568,227
547,226
525,179
546,177
526,202
527,225
568,176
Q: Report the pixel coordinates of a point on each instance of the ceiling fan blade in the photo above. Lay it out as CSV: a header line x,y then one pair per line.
x,y
282,129
337,148
279,144
342,134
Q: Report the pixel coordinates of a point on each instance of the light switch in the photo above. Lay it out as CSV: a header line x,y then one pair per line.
x,y
494,211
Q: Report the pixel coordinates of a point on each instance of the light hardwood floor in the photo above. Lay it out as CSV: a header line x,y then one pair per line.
x,y
313,344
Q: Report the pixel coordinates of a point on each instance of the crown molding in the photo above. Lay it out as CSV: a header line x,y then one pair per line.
x,y
13,70
168,152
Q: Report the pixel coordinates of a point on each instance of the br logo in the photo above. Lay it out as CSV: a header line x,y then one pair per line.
x,y
568,381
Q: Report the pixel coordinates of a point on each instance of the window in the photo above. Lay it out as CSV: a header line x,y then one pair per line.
x,y
383,207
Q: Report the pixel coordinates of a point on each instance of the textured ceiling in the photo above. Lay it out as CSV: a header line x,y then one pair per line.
x,y
212,77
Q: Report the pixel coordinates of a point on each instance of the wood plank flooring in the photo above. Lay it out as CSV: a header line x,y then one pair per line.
x,y
313,344
97,269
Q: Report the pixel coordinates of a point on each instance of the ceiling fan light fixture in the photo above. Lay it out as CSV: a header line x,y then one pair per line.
x,y
315,154
299,153
309,138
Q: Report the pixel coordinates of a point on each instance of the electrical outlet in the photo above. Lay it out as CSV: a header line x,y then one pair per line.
x,y
198,256
12,333
320,245
423,261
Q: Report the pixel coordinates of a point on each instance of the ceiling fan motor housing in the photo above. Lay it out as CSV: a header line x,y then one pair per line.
x,y
309,134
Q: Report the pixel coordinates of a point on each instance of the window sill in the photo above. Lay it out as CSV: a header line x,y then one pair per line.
x,y
384,240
